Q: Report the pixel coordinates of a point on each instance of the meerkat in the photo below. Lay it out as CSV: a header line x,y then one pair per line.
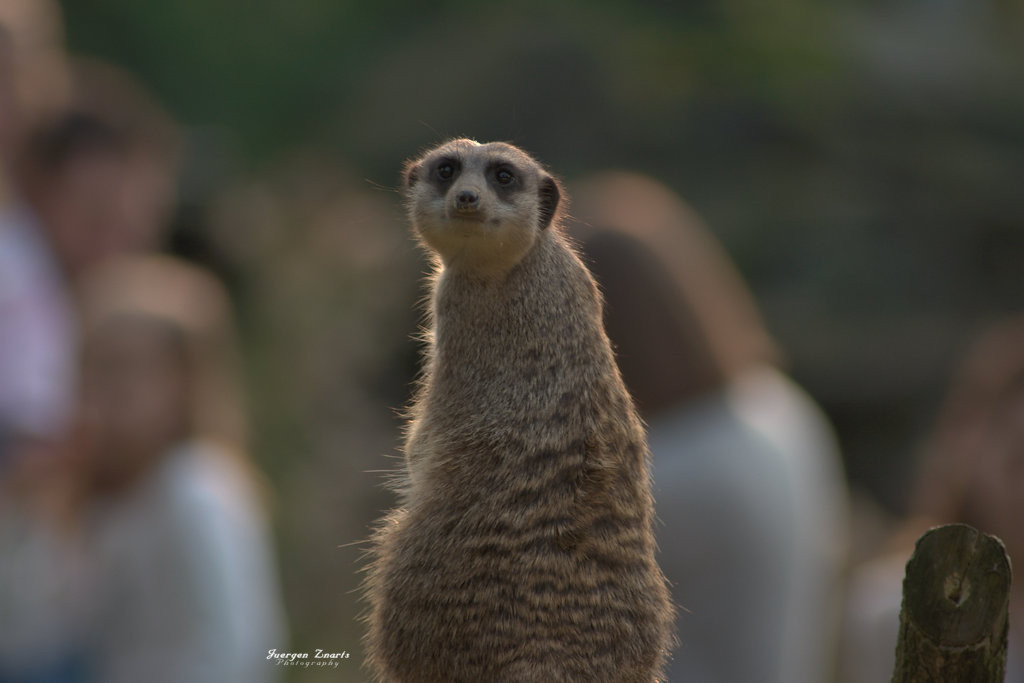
x,y
522,549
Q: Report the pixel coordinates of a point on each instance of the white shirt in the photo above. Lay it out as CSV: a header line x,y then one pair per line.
x,y
188,588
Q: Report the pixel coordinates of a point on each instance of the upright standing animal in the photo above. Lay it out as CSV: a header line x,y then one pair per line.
x,y
523,548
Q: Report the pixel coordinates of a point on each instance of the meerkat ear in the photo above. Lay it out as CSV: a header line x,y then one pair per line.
x,y
410,173
549,195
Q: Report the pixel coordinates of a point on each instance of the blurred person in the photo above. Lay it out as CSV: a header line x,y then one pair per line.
x,y
38,569
83,182
100,175
33,70
80,184
970,470
36,329
747,478
168,503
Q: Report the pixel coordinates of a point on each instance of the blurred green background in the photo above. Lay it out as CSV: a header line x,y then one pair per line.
x,y
861,161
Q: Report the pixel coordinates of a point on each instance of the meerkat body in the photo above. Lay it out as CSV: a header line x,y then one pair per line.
x,y
523,550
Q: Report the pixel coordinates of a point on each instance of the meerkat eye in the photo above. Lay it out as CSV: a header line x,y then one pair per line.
x,y
504,177
445,171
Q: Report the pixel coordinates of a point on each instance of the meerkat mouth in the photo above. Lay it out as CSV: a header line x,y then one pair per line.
x,y
467,216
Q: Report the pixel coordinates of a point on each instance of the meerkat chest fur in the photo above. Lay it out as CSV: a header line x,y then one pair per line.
x,y
510,358
523,549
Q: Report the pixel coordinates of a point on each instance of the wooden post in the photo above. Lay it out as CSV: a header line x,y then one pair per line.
x,y
954,620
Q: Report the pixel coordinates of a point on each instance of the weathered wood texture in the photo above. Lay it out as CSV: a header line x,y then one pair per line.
x,y
954,620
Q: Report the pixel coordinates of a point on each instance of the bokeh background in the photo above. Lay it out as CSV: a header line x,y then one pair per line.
x,y
861,161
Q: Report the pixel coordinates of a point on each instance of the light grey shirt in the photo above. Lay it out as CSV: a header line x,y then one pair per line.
x,y
752,504
188,589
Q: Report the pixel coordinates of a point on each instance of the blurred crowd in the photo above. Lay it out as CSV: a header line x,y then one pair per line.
x,y
135,539
756,524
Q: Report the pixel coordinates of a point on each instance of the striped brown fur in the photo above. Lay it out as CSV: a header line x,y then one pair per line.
x,y
523,547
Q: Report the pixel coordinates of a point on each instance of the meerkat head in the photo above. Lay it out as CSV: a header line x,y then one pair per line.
x,y
481,207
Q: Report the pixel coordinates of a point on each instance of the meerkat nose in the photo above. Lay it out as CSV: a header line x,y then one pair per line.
x,y
466,200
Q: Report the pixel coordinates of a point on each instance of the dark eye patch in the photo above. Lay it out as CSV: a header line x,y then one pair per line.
x,y
504,177
446,169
